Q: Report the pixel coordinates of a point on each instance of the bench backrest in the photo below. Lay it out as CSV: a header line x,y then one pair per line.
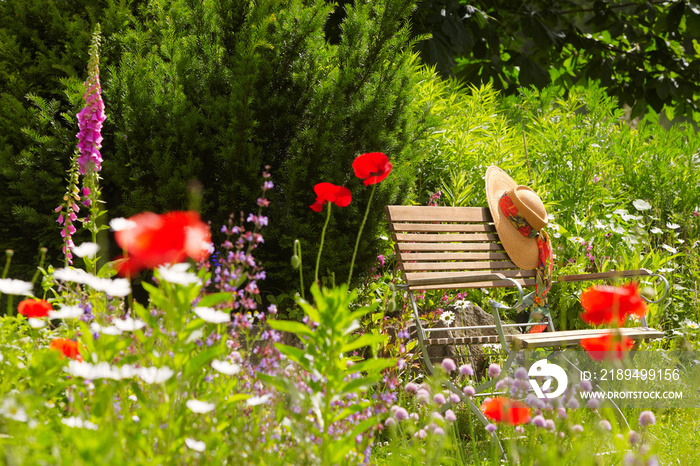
x,y
448,242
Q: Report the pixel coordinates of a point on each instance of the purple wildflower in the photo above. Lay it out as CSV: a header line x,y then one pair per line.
x,y
494,370
490,427
469,391
605,424
538,421
466,369
577,428
450,416
439,399
647,418
449,365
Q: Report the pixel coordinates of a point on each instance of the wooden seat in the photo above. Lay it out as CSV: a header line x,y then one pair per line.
x,y
574,337
445,248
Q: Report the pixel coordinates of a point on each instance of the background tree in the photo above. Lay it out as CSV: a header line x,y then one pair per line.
x,y
645,53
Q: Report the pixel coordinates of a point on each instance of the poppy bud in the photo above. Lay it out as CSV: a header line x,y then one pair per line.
x,y
391,306
295,261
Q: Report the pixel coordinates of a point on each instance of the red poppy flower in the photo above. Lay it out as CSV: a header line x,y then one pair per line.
x,y
328,192
161,239
372,167
608,304
608,346
34,308
67,348
506,410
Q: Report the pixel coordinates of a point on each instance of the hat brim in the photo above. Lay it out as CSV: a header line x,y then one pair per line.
x,y
522,251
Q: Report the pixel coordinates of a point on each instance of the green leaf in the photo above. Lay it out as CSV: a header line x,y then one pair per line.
x,y
202,359
372,365
213,299
364,340
290,326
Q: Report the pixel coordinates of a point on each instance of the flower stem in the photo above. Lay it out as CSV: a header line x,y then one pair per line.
x,y
320,248
297,252
359,234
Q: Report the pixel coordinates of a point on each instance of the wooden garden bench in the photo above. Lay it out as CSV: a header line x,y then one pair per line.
x,y
445,248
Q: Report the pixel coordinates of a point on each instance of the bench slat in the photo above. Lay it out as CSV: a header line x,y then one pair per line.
x,y
574,337
449,256
474,340
438,214
443,227
440,247
445,265
443,238
451,276
459,286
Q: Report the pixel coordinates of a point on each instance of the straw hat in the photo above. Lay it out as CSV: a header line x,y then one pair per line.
x,y
523,251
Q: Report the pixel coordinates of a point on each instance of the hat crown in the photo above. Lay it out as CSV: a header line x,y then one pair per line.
x,y
529,205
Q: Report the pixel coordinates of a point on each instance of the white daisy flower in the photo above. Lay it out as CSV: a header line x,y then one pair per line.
x,y
11,410
128,324
67,312
177,274
225,367
673,226
119,224
690,324
86,250
447,317
102,370
258,400
36,323
669,248
212,315
74,422
641,204
118,287
109,330
200,407
577,239
16,287
656,230
152,375
195,445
